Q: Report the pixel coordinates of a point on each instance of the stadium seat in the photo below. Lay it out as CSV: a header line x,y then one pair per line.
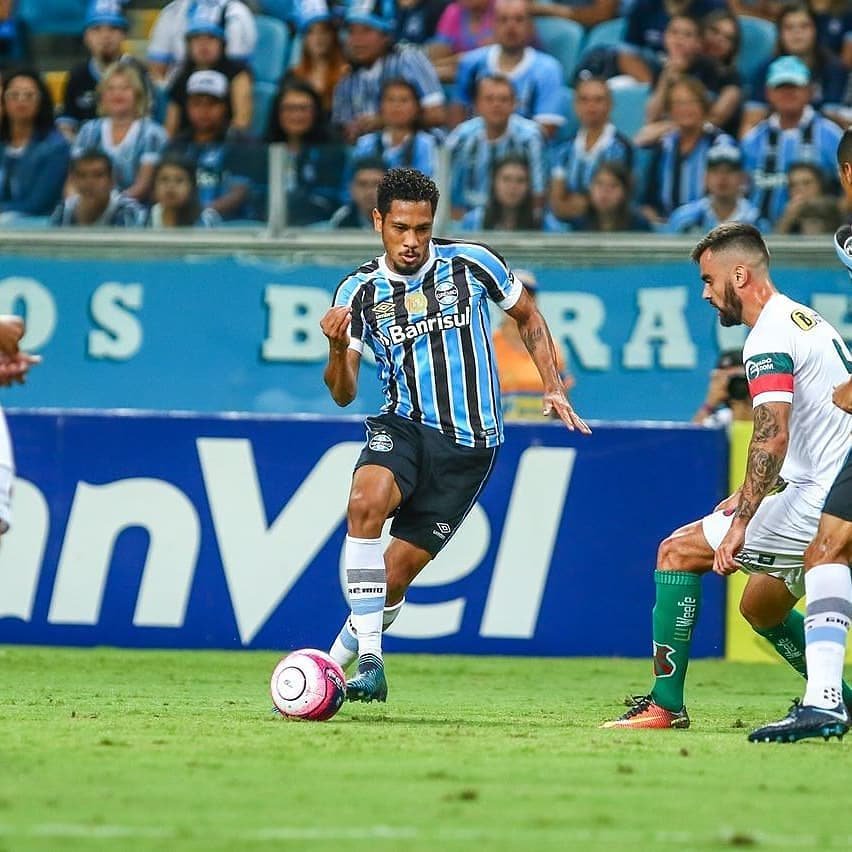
x,y
628,107
272,50
263,94
54,17
756,46
562,40
605,33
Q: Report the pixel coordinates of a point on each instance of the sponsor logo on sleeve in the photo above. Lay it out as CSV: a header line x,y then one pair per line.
x,y
772,371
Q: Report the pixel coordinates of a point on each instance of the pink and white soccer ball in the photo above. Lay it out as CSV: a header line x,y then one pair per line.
x,y
308,684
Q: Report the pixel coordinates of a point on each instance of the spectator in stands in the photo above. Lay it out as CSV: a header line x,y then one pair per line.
x,y
167,45
684,57
610,205
363,189
643,38
597,141
33,153
402,141
131,139
465,25
368,45
106,29
724,201
315,175
721,37
520,383
587,13
834,27
221,167
175,196
536,76
805,182
321,63
676,172
510,205
493,133
820,216
794,132
205,50
797,36
96,202
14,37
417,20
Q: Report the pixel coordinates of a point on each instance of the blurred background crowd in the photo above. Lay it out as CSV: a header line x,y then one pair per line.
x,y
578,115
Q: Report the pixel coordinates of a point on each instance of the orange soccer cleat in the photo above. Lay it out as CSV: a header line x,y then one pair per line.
x,y
647,714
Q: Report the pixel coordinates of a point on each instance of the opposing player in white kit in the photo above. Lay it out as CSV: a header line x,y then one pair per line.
x,y
828,584
793,360
14,366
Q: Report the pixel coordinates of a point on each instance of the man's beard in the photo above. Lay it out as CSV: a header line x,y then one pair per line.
x,y
732,312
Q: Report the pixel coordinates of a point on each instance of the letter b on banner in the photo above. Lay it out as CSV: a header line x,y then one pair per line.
x,y
293,328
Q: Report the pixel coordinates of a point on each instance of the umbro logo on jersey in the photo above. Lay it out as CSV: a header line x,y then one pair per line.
x,y
401,332
383,310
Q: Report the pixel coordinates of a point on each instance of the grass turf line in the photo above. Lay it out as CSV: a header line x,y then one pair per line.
x,y
114,749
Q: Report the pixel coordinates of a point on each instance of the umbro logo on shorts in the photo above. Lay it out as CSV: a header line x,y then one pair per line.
x,y
381,442
442,530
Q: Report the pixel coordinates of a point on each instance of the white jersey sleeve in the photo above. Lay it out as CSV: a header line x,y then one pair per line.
x,y
769,361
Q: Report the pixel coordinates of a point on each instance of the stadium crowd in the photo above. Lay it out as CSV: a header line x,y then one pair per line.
x,y
594,115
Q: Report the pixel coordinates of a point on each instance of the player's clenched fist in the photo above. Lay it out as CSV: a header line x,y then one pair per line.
x,y
842,396
335,326
11,332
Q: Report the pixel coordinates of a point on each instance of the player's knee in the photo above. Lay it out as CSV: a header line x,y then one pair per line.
x,y
365,515
825,549
669,554
752,614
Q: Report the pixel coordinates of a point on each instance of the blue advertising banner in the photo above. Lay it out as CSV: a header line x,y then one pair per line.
x,y
220,334
226,532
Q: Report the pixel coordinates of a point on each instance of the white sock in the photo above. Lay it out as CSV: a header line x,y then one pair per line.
x,y
828,589
366,585
344,651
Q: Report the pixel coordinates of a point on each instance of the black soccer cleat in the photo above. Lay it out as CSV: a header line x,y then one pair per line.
x,y
804,721
369,684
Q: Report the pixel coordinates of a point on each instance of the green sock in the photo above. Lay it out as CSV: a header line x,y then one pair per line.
x,y
788,639
674,617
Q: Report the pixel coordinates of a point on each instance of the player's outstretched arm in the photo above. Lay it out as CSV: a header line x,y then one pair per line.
x,y
536,336
766,454
341,372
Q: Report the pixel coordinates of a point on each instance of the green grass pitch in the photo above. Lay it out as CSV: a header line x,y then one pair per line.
x,y
125,750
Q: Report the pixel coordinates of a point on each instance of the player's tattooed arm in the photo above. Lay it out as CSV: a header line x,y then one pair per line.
x,y
766,454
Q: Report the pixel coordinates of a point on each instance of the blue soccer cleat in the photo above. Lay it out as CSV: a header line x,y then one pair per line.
x,y
804,721
369,683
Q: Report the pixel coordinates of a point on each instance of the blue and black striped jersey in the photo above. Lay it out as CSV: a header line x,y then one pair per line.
x,y
431,336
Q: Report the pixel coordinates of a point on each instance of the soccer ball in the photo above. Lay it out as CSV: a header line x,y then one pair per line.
x,y
308,684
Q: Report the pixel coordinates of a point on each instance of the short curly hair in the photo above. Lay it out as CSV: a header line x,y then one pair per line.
x,y
405,185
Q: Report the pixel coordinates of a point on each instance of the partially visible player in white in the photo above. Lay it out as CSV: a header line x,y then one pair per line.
x,y
14,366
793,359
828,583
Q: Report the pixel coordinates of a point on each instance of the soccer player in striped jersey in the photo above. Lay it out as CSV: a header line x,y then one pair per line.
x,y
793,359
422,308
828,585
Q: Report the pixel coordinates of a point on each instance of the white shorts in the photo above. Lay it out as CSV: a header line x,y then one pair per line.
x,y
7,475
777,535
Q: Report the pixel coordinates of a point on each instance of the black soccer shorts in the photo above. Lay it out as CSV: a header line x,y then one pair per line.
x,y
439,479
839,499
